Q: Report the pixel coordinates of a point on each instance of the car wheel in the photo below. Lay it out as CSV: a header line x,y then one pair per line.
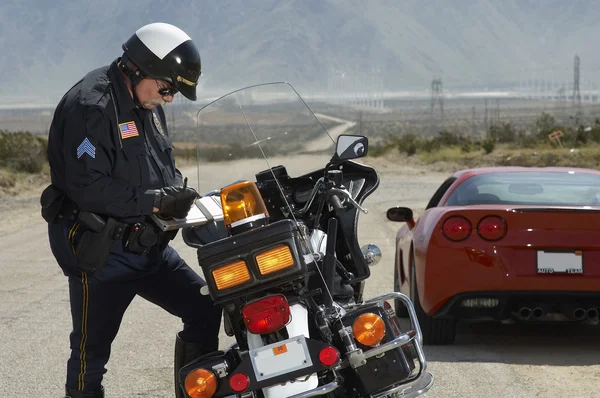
x,y
399,307
435,331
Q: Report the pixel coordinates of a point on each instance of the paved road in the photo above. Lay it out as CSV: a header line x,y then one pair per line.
x,y
486,361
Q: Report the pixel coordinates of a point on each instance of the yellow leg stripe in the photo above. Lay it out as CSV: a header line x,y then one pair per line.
x,y
72,232
84,315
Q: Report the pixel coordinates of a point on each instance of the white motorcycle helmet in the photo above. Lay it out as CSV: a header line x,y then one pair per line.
x,y
165,52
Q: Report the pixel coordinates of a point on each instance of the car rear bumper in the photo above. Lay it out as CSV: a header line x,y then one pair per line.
x,y
450,272
524,305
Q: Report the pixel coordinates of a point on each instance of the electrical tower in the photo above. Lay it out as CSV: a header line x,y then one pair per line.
x,y
437,95
576,94
561,95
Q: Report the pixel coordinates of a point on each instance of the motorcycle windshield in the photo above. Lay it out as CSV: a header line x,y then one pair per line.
x,y
256,128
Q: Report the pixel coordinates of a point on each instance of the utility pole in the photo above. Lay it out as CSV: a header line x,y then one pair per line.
x,y
576,100
485,119
437,96
473,130
498,110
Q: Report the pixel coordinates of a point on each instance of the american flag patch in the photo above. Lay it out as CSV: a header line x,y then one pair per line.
x,y
128,130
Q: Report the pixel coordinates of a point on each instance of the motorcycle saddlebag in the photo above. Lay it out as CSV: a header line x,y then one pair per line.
x,y
394,366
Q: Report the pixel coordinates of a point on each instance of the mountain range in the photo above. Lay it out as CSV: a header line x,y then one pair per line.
x,y
387,44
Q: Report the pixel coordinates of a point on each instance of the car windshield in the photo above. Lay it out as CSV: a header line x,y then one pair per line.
x,y
528,188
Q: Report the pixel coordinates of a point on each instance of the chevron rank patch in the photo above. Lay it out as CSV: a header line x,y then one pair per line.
x,y
86,147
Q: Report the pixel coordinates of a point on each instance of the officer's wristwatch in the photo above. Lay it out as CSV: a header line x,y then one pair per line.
x,y
158,195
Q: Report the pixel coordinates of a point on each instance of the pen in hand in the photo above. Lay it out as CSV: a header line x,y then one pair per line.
x,y
185,183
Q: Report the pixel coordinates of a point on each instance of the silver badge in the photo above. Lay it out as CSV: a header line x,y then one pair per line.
x,y
157,124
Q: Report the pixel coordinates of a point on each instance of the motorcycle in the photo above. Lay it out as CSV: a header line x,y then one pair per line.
x,y
278,247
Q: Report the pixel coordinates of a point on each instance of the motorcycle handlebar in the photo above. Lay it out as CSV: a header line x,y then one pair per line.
x,y
336,202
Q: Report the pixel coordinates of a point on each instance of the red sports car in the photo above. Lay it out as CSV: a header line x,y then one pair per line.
x,y
499,243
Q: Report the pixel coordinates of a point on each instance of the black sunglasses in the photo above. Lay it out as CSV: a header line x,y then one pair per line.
x,y
164,92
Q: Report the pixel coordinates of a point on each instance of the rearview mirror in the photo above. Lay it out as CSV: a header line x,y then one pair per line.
x,y
351,147
398,213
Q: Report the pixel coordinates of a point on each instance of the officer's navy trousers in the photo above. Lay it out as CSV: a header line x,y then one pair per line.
x,y
99,300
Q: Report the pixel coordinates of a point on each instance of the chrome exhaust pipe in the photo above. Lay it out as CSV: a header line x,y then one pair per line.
x,y
538,313
579,314
592,314
525,313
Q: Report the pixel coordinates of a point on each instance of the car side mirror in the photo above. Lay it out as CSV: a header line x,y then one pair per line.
x,y
398,213
351,147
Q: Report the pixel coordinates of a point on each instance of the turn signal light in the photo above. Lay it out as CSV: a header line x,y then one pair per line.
x,y
491,228
231,275
267,315
368,329
201,383
274,260
239,382
242,203
456,228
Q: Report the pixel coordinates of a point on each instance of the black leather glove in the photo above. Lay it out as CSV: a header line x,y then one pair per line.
x,y
175,201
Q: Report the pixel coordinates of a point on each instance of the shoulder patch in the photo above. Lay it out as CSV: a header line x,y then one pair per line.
x,y
86,147
128,130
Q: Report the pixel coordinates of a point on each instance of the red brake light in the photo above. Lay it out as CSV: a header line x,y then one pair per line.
x,y
456,228
492,228
329,356
267,315
239,382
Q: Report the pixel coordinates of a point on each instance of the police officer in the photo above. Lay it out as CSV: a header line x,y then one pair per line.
x,y
112,167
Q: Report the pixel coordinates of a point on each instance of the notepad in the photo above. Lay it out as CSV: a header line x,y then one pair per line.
x,y
204,210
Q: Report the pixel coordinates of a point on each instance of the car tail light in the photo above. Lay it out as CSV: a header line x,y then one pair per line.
x,y
491,228
368,329
200,383
456,228
231,275
239,382
267,315
274,260
329,356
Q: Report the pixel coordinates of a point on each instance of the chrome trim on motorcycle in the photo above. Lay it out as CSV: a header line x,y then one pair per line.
x,y
423,380
409,305
396,343
312,197
318,391
347,195
409,390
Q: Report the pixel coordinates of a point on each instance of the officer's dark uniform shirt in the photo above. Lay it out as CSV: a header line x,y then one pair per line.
x,y
105,153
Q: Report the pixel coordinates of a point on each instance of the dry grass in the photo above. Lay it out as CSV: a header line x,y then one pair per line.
x,y
506,155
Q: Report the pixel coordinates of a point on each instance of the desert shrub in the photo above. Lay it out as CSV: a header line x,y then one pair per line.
x,y
7,180
23,151
503,133
524,139
488,145
545,125
407,143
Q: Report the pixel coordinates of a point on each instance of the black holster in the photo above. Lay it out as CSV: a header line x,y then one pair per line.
x,y
144,236
93,248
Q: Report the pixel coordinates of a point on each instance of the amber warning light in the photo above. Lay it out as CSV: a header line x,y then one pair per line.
x,y
243,206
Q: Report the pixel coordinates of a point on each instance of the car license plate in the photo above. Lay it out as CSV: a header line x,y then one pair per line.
x,y
554,262
280,358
